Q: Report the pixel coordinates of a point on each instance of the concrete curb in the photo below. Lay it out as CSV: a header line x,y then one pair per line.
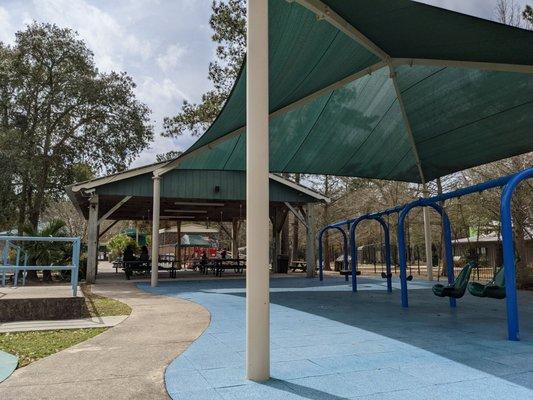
x,y
83,323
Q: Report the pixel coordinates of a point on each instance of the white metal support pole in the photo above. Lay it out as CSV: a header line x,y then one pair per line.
x,y
310,252
257,195
97,251
235,238
155,229
276,247
427,238
92,240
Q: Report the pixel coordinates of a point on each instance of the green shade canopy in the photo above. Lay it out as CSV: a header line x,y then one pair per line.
x,y
388,89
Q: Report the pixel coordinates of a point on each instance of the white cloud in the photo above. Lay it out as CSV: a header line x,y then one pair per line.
x,y
162,145
107,38
171,58
478,8
6,31
139,37
151,90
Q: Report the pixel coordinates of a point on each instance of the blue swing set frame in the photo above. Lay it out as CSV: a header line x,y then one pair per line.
x,y
509,184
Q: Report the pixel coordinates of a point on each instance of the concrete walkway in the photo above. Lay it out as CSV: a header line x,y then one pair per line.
x,y
125,362
82,323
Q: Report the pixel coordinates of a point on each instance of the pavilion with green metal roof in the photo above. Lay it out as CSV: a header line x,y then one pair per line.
x,y
201,196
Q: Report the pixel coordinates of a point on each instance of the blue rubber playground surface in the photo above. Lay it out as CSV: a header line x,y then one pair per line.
x,y
8,363
328,343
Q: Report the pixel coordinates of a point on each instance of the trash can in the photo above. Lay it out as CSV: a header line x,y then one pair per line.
x,y
283,263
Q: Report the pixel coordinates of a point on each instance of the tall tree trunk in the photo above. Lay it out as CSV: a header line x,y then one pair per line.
x,y
295,229
408,237
285,231
523,275
327,249
38,201
26,199
22,206
442,251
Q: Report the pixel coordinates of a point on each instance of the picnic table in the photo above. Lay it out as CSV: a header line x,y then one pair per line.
x,y
132,266
299,264
219,265
117,264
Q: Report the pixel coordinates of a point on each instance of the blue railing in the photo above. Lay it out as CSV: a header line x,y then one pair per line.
x,y
6,267
5,261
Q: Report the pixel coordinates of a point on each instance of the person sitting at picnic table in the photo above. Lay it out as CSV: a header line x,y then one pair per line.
x,y
127,255
144,254
224,253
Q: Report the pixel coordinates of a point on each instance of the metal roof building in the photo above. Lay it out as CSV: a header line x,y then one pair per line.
x,y
207,196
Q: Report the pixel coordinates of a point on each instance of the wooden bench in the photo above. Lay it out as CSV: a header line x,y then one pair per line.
x,y
219,265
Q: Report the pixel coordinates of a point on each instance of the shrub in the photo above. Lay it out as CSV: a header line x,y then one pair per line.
x,y
118,243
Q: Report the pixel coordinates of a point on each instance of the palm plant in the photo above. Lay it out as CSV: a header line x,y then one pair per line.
x,y
47,253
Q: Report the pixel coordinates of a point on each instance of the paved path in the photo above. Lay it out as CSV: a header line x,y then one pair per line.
x,y
330,344
125,362
94,322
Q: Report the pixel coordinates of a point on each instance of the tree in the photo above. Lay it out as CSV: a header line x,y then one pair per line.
x,y
57,111
329,186
488,202
527,15
295,254
169,155
508,12
7,193
64,210
228,21
118,243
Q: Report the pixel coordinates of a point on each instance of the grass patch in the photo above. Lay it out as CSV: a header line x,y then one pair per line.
x,y
100,306
34,345
31,346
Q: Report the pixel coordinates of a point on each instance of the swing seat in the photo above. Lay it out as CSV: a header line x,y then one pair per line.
x,y
345,272
385,276
495,289
457,289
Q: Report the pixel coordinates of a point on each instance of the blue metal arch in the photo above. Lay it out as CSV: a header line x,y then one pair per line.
x,y
320,250
509,252
353,247
401,245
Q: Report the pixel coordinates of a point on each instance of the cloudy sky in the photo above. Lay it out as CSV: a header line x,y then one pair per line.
x,y
163,44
